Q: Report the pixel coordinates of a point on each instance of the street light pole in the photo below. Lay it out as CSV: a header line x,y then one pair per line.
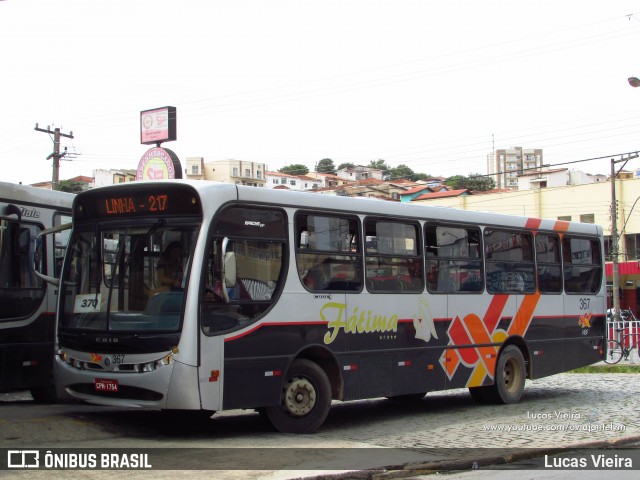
x,y
634,82
614,245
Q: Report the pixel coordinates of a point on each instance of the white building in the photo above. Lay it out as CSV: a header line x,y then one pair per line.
x,y
359,173
291,182
103,178
238,172
560,177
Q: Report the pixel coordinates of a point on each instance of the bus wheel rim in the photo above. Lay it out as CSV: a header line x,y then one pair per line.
x,y
300,397
510,375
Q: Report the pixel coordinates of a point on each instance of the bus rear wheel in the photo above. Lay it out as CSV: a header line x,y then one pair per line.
x,y
481,395
510,377
306,399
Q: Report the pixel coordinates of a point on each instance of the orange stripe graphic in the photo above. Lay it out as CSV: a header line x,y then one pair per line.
x,y
561,226
492,317
524,316
533,223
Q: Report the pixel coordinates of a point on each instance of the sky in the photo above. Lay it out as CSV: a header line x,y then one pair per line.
x,y
432,84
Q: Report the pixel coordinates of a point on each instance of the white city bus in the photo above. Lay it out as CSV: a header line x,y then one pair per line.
x,y
27,304
204,296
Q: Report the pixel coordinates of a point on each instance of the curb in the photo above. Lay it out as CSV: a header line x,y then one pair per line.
x,y
413,469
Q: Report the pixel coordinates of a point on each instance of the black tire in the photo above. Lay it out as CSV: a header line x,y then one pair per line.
x,y
306,399
613,352
510,377
480,395
46,394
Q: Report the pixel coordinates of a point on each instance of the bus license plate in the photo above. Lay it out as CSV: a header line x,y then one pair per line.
x,y
105,385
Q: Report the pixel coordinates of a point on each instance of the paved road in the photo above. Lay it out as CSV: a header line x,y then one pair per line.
x,y
559,411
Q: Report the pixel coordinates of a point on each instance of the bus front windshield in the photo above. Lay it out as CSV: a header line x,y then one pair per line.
x,y
127,279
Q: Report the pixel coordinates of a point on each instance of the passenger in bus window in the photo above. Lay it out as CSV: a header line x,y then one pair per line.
x,y
318,276
439,280
414,271
170,266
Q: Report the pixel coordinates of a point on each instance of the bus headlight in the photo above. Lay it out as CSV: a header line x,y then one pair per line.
x,y
152,366
147,367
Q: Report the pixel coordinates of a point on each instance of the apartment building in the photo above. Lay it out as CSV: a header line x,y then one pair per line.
x,y
238,172
505,165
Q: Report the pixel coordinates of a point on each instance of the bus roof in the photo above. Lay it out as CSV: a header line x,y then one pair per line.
x,y
28,195
367,206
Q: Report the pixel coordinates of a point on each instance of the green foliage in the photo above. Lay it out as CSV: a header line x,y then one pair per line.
x,y
326,166
402,171
421,176
380,164
456,182
70,186
608,369
475,182
346,165
295,169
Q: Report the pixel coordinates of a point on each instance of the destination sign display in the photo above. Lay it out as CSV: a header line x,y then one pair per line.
x,y
129,202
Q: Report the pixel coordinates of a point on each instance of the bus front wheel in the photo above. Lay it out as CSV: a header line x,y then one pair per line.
x,y
306,399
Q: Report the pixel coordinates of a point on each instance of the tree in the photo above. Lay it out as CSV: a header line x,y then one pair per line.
x,y
295,169
326,166
421,176
475,181
380,164
70,186
456,182
402,171
346,165
480,183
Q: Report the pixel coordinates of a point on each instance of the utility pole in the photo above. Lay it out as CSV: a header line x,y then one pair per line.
x,y
614,236
56,155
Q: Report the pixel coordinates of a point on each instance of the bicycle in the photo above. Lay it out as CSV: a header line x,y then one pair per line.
x,y
617,350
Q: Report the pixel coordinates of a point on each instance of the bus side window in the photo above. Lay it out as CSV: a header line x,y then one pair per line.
x,y
22,290
454,262
393,256
548,263
328,252
510,266
247,247
582,265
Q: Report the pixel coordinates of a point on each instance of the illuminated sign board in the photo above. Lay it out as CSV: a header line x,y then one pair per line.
x,y
139,202
158,125
122,205
159,164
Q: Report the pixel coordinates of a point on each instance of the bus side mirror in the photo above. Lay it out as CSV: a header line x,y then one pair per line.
x,y
23,245
39,263
39,258
228,269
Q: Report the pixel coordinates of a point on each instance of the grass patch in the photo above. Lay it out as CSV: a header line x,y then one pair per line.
x,y
618,368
